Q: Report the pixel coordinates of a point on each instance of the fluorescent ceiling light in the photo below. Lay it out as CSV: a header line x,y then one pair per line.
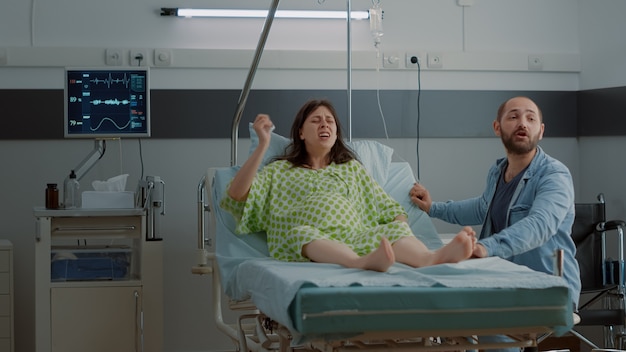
x,y
188,12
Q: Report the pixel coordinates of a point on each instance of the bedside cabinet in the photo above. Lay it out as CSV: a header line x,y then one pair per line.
x,y
98,282
6,296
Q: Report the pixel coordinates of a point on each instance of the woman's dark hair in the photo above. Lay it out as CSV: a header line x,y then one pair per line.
x,y
296,151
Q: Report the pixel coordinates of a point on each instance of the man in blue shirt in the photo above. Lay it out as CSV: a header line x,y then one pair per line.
x,y
527,207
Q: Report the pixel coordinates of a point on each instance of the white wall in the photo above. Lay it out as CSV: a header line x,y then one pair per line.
x,y
603,48
484,47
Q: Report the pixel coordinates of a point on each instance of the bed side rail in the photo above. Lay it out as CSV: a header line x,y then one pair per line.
x,y
206,262
242,334
204,258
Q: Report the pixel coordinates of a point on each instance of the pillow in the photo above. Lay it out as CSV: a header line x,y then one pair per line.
x,y
277,146
375,156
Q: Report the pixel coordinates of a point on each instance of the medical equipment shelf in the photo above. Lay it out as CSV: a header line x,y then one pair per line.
x,y
97,312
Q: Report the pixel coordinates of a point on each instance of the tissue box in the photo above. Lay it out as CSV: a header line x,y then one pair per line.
x,y
108,199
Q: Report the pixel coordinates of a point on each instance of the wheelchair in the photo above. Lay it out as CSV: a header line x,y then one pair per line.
x,y
602,274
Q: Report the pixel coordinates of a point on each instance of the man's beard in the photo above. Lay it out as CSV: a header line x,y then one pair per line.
x,y
519,148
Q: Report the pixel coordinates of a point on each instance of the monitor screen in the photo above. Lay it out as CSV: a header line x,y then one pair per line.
x,y
107,103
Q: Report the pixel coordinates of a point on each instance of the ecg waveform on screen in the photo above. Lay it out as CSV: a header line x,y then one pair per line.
x,y
110,80
107,103
110,102
113,101
112,121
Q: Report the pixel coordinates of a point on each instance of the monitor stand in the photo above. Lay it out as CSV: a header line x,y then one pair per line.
x,y
90,160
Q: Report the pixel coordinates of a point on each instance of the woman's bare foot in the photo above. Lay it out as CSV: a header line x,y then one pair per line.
x,y
380,259
460,248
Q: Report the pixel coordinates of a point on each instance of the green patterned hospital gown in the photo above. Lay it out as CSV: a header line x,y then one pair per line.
x,y
296,205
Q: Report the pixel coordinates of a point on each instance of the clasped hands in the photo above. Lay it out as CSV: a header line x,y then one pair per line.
x,y
421,197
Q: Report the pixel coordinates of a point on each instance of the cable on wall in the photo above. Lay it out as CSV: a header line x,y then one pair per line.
x,y
419,94
32,23
140,158
380,109
463,27
121,156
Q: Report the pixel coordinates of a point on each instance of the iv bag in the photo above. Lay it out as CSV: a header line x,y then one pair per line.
x,y
376,23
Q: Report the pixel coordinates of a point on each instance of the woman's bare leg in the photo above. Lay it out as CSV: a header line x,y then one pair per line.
x,y
325,251
411,251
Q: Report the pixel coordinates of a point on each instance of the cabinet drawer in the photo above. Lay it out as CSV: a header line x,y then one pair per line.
x,y
96,319
80,227
5,327
5,265
5,344
5,306
5,284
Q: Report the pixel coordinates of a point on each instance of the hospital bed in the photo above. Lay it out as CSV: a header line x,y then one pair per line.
x,y
326,307
281,306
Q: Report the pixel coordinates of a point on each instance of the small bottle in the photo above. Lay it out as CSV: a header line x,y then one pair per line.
x,y
52,196
71,194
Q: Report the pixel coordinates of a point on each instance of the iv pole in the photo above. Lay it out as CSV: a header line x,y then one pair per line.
x,y
349,64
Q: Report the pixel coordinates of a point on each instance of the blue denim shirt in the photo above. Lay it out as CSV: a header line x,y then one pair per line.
x,y
539,218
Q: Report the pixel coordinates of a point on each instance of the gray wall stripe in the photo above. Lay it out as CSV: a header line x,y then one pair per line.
x,y
602,112
38,114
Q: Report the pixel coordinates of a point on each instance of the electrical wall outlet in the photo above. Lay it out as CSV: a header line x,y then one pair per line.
x,y
535,62
162,57
412,58
113,57
435,60
391,60
138,57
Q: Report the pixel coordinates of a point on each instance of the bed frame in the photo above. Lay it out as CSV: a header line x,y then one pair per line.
x,y
254,330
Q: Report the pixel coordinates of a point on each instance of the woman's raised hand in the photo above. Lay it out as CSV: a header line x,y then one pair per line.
x,y
263,127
